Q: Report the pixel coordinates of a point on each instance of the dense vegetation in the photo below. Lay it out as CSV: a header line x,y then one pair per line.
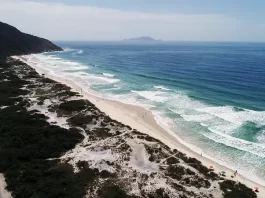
x,y
30,146
14,42
233,189
27,141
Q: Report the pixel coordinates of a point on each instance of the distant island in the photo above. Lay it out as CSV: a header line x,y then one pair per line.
x,y
144,39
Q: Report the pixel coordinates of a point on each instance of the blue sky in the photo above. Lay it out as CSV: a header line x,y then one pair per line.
x,y
245,9
203,20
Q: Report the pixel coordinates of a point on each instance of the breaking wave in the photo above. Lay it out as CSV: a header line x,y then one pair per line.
x,y
107,74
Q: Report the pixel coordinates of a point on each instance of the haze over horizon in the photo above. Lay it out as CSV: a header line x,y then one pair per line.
x,y
117,20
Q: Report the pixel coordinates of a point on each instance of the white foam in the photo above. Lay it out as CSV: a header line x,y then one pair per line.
x,y
161,87
168,125
223,121
245,170
62,66
251,147
261,137
54,58
80,52
99,79
107,74
180,103
112,88
237,117
75,68
197,118
71,63
128,98
156,96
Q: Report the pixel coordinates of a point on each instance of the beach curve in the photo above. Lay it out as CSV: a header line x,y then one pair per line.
x,y
143,120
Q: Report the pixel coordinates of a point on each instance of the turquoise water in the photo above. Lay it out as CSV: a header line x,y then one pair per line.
x,y
212,95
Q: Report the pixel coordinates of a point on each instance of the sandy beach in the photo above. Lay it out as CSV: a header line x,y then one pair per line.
x,y
143,120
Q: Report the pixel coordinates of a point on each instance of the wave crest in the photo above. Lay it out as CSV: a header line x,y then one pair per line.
x,y
161,87
107,74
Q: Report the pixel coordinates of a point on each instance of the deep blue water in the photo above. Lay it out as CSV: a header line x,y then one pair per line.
x,y
212,95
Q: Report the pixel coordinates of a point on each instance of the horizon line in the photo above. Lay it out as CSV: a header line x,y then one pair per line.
x,y
157,41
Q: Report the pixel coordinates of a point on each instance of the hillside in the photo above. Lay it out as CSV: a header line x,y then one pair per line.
x,y
15,42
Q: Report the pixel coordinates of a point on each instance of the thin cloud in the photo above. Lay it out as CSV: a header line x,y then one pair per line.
x,y
58,21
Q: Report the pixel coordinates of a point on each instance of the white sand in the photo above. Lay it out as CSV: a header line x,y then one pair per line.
x,y
142,120
3,192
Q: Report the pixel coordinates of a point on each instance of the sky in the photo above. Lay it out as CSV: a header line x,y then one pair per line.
x,y
178,20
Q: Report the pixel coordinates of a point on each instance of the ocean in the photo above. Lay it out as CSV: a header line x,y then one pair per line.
x,y
212,95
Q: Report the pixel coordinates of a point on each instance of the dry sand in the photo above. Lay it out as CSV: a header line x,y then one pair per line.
x,y
3,192
143,120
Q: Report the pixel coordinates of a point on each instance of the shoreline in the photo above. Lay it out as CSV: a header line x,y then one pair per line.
x,y
143,120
